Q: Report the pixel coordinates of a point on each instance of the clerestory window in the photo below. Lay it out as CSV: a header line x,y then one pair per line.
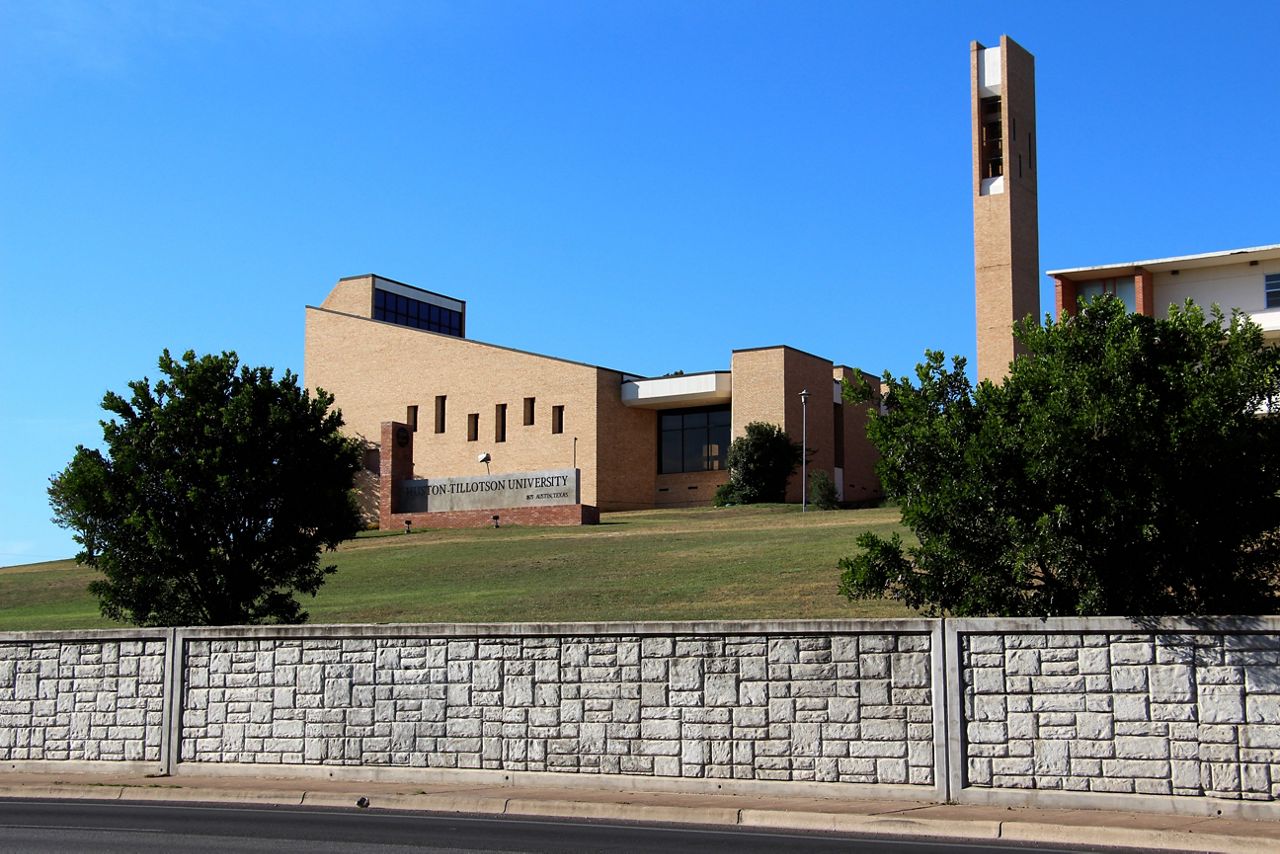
x,y
406,311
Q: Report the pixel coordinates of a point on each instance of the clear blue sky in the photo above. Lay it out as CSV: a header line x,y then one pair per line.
x,y
642,185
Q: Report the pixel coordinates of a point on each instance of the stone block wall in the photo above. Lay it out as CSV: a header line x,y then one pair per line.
x,y
1162,712
850,707
1176,716
82,698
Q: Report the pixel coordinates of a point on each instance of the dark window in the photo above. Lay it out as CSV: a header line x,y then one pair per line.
x,y
500,423
473,426
528,410
411,418
440,413
557,419
1272,285
693,439
395,308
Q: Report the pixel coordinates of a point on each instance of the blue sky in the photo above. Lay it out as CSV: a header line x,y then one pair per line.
x,y
642,185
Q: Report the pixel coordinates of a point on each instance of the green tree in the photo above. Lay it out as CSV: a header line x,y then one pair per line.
x,y
1127,466
760,463
219,488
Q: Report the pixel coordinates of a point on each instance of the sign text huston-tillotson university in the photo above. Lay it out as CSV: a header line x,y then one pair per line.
x,y
489,492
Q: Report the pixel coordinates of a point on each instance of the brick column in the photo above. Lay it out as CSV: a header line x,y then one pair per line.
x,y
1064,297
1143,292
395,463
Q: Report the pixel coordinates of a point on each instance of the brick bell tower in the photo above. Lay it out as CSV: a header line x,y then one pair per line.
x,y
1006,240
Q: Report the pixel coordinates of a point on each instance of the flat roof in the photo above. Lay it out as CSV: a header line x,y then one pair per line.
x,y
1204,259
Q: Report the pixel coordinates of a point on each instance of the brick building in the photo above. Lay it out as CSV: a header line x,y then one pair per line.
x,y
431,404
1247,279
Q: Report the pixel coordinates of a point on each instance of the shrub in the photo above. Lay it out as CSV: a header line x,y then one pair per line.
x,y
760,463
822,491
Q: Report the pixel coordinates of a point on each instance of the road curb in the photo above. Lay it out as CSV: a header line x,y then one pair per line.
x,y
623,812
747,818
72,790
440,802
284,798
1124,837
878,825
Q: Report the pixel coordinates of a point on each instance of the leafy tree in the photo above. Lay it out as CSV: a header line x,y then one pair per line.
x,y
760,462
1127,465
218,490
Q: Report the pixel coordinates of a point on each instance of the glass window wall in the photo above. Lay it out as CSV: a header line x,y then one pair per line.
x,y
693,440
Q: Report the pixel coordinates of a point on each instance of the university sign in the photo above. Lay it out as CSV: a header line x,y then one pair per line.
x,y
490,492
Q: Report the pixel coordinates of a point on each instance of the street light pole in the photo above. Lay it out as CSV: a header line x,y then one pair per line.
x,y
804,451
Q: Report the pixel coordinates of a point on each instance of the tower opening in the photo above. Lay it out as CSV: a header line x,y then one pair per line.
x,y
991,157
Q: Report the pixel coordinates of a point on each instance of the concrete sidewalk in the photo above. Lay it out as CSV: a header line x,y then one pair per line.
x,y
869,817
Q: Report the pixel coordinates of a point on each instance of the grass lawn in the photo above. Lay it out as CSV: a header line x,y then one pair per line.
x,y
766,561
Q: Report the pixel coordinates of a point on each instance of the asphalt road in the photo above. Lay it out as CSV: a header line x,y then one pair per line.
x,y
64,826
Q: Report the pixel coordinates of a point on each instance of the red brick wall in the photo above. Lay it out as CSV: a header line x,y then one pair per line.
x,y
1064,297
560,516
395,464
1143,297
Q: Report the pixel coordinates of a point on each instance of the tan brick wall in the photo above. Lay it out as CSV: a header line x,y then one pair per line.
x,y
860,457
766,387
376,370
351,296
804,371
688,489
627,449
758,388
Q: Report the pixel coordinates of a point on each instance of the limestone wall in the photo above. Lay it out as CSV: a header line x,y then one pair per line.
x,y
1173,716
1102,706
86,697
844,706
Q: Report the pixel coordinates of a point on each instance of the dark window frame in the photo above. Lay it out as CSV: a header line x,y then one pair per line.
x,y
411,417
440,412
557,419
1271,290
473,426
500,422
